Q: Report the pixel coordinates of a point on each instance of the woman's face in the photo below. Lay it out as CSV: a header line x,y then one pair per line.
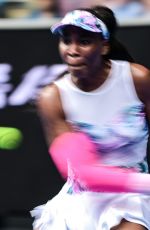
x,y
81,51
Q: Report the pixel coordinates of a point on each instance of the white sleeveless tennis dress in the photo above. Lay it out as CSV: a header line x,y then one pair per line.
x,y
114,118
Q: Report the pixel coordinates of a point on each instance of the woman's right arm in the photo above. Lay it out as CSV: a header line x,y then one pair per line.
x,y
51,113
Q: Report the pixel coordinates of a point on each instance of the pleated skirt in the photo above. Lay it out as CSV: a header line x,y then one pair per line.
x,y
83,210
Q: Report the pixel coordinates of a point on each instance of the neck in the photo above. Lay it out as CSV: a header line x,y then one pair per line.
x,y
95,80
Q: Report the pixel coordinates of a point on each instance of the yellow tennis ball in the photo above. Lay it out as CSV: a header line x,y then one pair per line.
x,y
10,138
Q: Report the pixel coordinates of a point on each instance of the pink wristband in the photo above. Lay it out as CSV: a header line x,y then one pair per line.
x,y
73,147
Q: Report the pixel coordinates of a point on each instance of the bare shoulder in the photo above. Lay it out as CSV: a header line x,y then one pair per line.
x,y
48,93
51,112
139,71
49,104
48,98
141,77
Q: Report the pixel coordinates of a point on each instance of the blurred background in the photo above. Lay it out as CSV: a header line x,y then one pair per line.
x,y
55,8
29,60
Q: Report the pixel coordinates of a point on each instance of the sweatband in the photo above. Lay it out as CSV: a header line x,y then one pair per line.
x,y
74,148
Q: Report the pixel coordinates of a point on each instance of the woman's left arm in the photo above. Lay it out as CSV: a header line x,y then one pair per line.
x,y
141,77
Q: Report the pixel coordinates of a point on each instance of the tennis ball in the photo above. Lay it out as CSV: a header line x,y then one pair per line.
x,y
10,138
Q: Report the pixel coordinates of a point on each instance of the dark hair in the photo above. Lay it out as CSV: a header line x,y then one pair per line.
x,y
117,50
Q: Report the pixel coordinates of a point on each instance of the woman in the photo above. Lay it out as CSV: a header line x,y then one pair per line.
x,y
96,116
